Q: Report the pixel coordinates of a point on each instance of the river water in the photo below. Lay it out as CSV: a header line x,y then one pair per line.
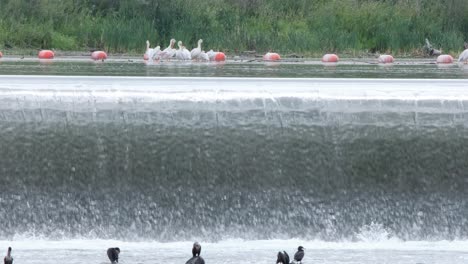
x,y
357,162
293,68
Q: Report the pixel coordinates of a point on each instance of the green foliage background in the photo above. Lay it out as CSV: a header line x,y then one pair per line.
x,y
304,26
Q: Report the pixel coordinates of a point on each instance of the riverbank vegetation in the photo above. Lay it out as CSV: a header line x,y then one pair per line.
x,y
300,26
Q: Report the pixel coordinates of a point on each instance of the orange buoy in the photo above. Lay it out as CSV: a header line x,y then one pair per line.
x,y
444,59
220,56
271,56
330,58
386,59
99,55
46,54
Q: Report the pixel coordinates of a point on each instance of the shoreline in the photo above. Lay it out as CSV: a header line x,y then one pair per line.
x,y
252,60
415,54
132,58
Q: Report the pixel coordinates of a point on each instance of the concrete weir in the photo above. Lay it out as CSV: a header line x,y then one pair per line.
x,y
251,158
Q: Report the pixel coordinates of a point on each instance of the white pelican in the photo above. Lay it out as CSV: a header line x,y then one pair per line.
x,y
463,57
149,51
195,53
152,54
157,53
211,54
169,52
179,54
204,56
186,53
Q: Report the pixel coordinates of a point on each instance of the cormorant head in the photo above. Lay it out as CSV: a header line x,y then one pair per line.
x,y
118,249
300,248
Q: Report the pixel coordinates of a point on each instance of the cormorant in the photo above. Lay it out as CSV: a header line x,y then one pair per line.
x,y
196,249
299,254
196,258
283,258
113,254
8,258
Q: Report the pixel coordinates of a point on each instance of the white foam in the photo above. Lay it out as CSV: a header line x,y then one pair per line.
x,y
238,244
107,88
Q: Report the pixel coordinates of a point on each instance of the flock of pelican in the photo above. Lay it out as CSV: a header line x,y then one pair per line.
x,y
197,54
182,53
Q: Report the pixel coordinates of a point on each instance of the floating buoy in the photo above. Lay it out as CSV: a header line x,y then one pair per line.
x,y
220,56
444,59
99,55
46,54
271,56
386,59
330,58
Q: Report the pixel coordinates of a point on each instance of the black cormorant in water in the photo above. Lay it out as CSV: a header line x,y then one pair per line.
x,y
196,258
299,254
283,258
8,258
196,249
113,254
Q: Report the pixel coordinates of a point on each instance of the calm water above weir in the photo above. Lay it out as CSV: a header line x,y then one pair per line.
x,y
305,68
355,170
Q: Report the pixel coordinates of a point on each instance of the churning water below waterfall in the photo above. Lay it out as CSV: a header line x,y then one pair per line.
x,y
232,251
355,170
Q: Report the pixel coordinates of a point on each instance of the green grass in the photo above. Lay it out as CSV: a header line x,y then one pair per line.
x,y
302,26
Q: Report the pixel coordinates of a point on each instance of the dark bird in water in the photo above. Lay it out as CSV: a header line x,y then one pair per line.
x,y
196,259
113,254
299,254
8,258
283,258
428,49
196,249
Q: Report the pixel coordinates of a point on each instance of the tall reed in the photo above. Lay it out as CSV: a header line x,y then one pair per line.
x,y
235,25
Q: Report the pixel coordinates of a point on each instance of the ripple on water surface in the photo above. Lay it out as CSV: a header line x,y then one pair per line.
x,y
303,68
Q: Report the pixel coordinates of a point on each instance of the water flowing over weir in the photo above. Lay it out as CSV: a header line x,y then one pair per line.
x,y
192,158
